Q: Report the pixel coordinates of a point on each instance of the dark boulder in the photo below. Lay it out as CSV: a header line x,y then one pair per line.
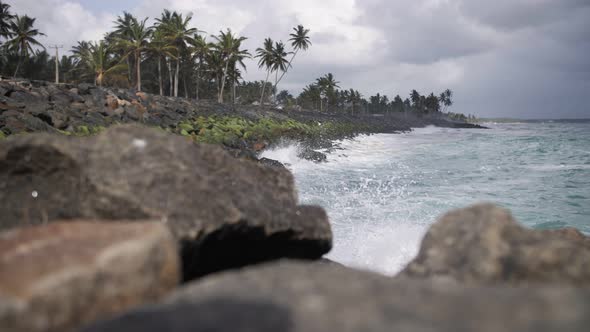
x,y
312,155
484,244
271,163
225,212
308,297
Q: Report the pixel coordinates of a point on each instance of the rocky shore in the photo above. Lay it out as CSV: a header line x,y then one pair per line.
x,y
84,109
140,227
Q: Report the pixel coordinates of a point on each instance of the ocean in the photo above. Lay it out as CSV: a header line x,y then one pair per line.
x,y
382,192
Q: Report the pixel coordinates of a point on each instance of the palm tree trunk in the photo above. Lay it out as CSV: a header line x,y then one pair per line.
x,y
169,64
234,92
129,69
17,67
274,92
160,75
184,85
99,79
138,65
176,77
264,86
197,82
289,66
220,98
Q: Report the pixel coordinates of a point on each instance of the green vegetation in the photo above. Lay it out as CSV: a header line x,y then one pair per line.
x,y
83,131
230,131
2,135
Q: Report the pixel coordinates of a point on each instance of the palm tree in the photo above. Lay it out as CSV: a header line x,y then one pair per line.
x,y
99,62
299,41
279,63
160,48
200,49
5,18
416,99
266,59
310,93
23,39
327,85
123,26
136,43
178,34
229,49
234,75
445,99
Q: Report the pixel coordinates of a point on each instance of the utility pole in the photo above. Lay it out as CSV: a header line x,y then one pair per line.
x,y
56,61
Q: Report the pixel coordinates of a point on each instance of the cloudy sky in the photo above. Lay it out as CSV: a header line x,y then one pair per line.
x,y
508,58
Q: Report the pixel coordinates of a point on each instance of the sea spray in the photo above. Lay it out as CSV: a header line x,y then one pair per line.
x,y
382,192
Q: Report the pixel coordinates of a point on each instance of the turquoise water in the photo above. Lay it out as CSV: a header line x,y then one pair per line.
x,y
383,191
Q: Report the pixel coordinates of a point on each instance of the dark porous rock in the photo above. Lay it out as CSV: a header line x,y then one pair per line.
x,y
484,244
312,155
63,275
309,297
271,163
225,212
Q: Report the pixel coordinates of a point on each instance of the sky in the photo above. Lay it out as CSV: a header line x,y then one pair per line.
x,y
501,58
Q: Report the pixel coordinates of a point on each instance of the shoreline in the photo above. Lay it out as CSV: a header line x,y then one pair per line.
x,y
243,130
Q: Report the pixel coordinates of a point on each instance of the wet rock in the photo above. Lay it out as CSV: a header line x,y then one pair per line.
x,y
484,244
63,275
312,155
271,163
294,296
225,212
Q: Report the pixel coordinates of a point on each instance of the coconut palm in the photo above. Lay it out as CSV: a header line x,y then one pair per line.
x,y
136,42
299,41
5,18
159,48
310,94
23,38
177,33
265,55
229,48
448,102
99,62
416,99
234,75
200,49
327,85
279,63
123,26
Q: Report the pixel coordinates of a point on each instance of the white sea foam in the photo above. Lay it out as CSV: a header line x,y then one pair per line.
x,y
382,192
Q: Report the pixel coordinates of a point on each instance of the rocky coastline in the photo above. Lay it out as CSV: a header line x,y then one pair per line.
x,y
115,216
243,130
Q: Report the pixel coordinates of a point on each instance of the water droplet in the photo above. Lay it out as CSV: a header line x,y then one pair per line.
x,y
139,143
34,194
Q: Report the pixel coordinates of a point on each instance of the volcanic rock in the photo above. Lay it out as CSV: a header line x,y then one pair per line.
x,y
309,297
225,212
484,244
61,275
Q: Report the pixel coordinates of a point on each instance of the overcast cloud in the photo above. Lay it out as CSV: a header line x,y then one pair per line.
x,y
515,58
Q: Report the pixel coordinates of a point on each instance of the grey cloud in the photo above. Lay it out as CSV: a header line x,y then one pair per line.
x,y
519,14
420,36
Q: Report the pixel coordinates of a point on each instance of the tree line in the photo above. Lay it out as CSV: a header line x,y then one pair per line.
x,y
170,57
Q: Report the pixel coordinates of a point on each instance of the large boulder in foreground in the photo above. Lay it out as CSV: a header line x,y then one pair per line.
x,y
484,244
60,276
224,212
308,297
